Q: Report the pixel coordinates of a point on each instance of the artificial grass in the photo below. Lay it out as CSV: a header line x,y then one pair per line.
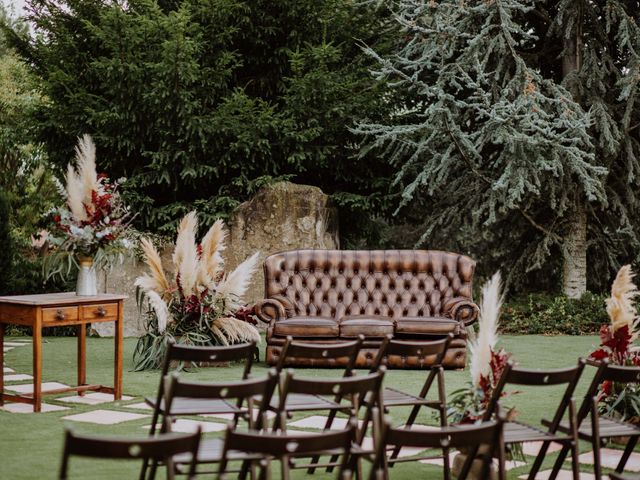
x,y
31,444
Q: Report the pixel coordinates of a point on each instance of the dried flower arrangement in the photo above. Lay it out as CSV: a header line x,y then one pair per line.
x,y
616,345
200,305
469,404
94,220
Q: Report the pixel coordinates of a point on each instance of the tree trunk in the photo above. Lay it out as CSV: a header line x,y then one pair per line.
x,y
574,268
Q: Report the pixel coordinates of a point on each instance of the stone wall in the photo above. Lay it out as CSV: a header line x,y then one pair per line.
x,y
282,216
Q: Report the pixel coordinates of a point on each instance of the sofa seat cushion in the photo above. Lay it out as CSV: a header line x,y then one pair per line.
x,y
427,326
311,327
371,326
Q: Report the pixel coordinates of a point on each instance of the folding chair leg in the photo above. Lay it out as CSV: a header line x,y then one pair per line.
x,y
327,426
538,461
468,463
597,467
575,461
559,461
445,464
631,444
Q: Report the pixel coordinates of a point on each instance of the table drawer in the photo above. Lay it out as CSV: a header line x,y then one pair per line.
x,y
102,311
59,314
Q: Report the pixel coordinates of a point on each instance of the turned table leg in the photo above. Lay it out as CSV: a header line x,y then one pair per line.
x,y
2,363
37,363
119,333
82,356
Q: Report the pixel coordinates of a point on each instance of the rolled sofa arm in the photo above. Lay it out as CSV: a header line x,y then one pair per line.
x,y
461,309
273,309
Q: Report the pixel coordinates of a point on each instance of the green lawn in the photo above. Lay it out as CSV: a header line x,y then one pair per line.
x,y
31,444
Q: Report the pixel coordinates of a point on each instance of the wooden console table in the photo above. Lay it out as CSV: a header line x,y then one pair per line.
x,y
61,310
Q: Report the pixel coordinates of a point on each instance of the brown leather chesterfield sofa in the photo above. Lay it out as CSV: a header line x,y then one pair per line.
x,y
326,296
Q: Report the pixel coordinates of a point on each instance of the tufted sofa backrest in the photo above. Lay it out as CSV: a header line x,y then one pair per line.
x,y
394,283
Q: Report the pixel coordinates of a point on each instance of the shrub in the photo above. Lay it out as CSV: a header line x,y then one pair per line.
x,y
548,314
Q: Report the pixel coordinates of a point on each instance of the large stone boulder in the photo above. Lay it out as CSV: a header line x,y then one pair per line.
x,y
282,216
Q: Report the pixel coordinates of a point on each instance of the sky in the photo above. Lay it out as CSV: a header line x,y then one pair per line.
x,y
18,4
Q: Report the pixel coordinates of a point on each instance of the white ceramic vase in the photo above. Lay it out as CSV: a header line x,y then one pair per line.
x,y
87,283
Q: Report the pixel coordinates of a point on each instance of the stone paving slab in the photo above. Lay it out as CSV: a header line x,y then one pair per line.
x,y
509,464
532,448
15,344
94,398
229,416
6,349
26,408
18,377
104,417
7,370
562,475
139,406
184,425
610,457
319,421
27,388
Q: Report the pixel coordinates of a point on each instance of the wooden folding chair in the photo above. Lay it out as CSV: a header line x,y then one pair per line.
x,y
287,447
160,448
313,351
193,354
519,432
429,353
215,398
597,428
354,389
489,434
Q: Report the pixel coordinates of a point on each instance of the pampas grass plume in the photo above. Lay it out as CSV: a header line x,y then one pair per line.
x,y
620,305
485,341
185,255
237,282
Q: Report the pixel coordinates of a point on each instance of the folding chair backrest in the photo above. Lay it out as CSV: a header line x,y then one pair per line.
x,y
336,351
431,353
198,354
520,376
237,392
470,437
606,372
281,446
360,385
447,437
156,448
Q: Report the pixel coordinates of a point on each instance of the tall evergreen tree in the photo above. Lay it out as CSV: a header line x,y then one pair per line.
x,y
521,143
199,102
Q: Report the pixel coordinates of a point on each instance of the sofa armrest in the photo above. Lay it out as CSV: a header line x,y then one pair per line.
x,y
461,309
272,309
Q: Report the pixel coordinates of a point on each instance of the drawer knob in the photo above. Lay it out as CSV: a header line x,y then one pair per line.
x,y
60,315
101,311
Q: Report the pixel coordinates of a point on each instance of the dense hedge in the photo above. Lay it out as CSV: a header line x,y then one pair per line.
x,y
543,313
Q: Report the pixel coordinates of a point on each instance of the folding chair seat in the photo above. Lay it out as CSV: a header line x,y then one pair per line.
x,y
237,396
519,432
286,448
192,354
159,448
596,428
470,436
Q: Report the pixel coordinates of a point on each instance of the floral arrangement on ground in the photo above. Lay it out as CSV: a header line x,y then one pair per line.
x,y
616,345
201,304
487,362
93,222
